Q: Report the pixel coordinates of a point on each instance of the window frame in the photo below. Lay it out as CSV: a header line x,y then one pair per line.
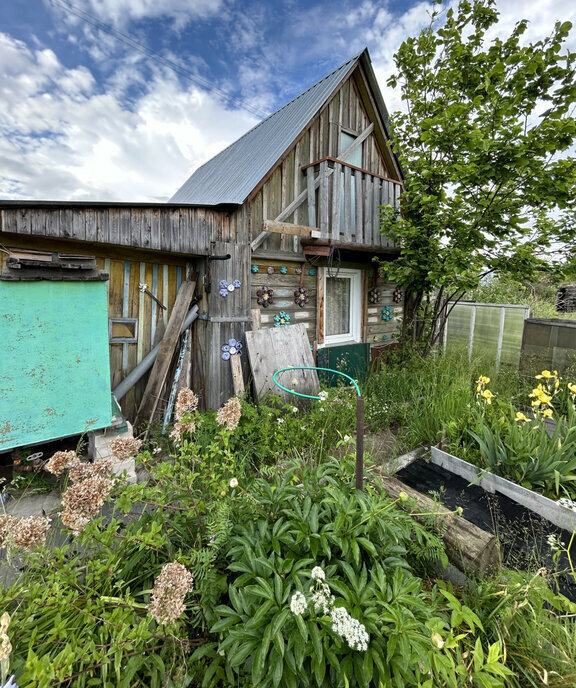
x,y
354,333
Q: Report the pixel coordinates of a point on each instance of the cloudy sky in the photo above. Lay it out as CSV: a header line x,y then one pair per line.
x,y
121,100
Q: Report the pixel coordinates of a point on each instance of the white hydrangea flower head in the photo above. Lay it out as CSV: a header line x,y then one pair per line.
x,y
298,604
318,573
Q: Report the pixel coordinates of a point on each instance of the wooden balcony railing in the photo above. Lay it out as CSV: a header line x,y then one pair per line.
x,y
344,202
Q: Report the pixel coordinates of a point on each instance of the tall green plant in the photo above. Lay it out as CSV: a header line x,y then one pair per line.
x,y
483,143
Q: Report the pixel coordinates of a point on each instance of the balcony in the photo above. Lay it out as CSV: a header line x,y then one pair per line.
x,y
344,202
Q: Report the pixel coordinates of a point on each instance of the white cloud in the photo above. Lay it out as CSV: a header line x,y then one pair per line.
x,y
61,139
121,12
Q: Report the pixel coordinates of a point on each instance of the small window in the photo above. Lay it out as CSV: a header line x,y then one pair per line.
x,y
342,307
123,330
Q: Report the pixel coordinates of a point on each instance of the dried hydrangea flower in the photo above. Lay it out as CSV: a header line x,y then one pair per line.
x,y
88,496
74,520
62,460
101,467
187,402
229,415
6,526
125,447
169,591
31,532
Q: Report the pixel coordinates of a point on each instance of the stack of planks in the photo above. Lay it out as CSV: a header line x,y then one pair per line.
x,y
153,394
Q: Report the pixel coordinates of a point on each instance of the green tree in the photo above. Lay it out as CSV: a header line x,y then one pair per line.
x,y
484,142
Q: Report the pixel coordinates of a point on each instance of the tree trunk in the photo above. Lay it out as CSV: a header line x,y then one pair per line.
x,y
470,548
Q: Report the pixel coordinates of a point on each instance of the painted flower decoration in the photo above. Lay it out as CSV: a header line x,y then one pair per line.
x,y
397,296
143,287
281,319
297,271
311,272
387,313
301,297
227,288
265,296
373,296
254,269
234,347
384,337
270,270
283,269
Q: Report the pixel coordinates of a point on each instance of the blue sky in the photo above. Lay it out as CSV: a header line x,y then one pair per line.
x,y
121,100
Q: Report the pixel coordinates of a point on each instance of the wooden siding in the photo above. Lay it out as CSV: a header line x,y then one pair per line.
x,y
180,230
345,111
284,287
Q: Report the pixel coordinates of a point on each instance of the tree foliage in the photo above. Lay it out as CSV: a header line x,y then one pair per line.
x,y
485,144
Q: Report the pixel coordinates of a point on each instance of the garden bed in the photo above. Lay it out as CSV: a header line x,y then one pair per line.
x,y
524,533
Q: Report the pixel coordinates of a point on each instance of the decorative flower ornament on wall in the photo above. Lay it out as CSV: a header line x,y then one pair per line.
x,y
301,297
387,313
373,296
255,269
228,287
281,319
234,347
265,296
283,269
311,272
397,296
270,270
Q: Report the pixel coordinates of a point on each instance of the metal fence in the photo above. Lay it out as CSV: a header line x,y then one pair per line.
x,y
492,330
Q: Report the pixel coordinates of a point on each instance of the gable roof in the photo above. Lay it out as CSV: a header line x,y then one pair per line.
x,y
230,176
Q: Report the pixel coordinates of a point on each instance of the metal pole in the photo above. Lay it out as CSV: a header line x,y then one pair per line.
x,y
148,361
359,442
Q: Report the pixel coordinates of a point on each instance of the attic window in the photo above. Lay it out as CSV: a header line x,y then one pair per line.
x,y
355,157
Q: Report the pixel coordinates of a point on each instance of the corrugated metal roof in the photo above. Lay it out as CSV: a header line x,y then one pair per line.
x,y
230,176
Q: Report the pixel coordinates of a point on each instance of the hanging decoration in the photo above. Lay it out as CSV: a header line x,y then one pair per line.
x,y
301,296
265,296
233,347
387,313
270,270
254,269
228,287
373,296
397,296
281,319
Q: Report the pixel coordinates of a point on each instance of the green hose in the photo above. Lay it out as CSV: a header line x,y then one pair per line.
x,y
310,396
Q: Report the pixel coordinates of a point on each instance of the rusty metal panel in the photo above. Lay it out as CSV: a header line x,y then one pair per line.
x,y
54,361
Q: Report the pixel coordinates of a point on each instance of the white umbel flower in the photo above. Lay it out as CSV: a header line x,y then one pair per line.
x,y
318,573
298,604
353,632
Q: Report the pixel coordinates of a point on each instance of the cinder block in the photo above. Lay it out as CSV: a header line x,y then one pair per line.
x,y
99,448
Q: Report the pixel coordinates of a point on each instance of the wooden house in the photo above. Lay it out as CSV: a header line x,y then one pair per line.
x,y
284,223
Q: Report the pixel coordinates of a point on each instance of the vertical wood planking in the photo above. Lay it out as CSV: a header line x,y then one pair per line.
x,y
311,197
358,208
336,201
347,206
320,305
323,200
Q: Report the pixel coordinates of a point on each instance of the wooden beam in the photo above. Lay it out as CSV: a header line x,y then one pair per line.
x,y
289,228
237,377
161,366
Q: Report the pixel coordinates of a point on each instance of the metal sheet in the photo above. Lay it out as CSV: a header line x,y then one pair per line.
x,y
54,362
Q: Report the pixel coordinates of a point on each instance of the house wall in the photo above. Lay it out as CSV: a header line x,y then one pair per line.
x,y
163,275
322,138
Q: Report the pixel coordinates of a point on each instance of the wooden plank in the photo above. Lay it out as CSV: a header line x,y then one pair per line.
x,y
237,377
336,200
323,200
320,281
281,347
311,192
358,219
289,228
347,206
159,371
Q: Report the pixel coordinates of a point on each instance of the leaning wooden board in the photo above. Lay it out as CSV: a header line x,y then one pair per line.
x,y
281,347
162,364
